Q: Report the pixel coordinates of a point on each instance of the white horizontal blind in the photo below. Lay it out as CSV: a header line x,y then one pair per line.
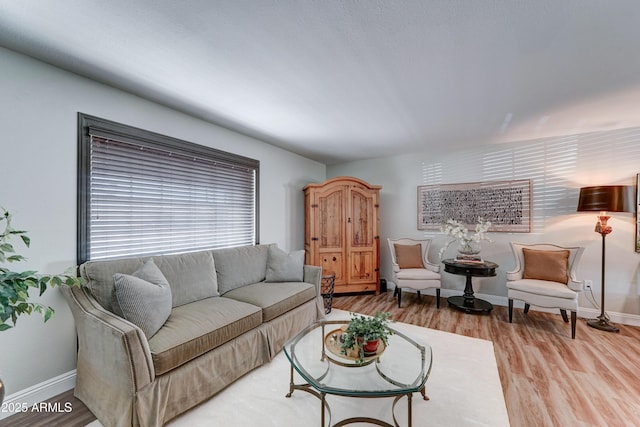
x,y
146,200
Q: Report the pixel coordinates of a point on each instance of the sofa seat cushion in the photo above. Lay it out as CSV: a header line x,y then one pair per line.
x,y
195,328
274,298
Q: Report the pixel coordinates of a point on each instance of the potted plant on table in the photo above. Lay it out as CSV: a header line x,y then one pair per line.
x,y
364,334
14,286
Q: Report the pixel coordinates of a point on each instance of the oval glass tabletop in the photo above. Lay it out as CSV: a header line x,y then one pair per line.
x,y
402,367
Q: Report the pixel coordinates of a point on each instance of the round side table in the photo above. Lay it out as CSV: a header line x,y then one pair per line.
x,y
468,302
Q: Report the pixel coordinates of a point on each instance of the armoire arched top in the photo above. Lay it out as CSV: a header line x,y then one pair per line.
x,y
342,180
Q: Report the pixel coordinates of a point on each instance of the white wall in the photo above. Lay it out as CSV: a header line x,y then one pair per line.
x,y
558,168
38,140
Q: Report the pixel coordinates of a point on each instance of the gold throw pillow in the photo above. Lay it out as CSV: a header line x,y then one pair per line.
x,y
546,265
409,256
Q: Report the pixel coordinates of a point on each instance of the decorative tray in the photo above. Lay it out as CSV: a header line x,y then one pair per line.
x,y
332,343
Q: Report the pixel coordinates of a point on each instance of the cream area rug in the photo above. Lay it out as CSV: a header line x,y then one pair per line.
x,y
464,390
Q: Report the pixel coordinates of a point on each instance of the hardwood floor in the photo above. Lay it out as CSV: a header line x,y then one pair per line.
x,y
79,416
547,378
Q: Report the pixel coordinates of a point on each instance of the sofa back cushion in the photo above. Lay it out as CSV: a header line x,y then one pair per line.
x,y
284,267
240,266
192,276
99,276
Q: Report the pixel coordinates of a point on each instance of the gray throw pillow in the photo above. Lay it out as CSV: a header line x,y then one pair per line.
x,y
283,267
145,297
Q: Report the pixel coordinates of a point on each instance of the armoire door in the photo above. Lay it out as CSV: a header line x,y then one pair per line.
x,y
329,208
362,236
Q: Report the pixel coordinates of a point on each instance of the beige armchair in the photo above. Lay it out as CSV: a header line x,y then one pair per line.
x,y
545,276
411,267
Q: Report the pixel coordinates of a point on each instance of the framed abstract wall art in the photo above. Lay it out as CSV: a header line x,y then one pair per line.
x,y
507,204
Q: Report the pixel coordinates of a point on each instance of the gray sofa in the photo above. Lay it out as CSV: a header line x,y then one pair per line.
x,y
228,314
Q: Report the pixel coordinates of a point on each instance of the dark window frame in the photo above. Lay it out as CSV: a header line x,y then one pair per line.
x,y
122,132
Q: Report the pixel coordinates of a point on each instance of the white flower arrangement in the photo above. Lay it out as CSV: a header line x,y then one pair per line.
x,y
460,233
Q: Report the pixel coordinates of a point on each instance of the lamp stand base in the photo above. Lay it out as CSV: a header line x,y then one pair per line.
x,y
603,324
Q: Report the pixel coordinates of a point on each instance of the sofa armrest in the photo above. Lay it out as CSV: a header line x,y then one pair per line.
x,y
113,353
313,274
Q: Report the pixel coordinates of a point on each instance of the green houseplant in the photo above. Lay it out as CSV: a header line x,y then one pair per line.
x,y
14,286
363,330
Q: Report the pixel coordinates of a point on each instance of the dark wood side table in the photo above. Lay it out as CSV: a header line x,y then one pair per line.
x,y
468,302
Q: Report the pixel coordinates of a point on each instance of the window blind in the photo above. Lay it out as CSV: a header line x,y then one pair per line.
x,y
146,197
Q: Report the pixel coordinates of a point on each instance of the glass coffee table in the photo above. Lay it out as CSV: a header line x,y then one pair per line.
x,y
397,370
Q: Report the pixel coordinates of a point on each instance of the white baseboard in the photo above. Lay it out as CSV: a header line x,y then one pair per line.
x,y
583,312
24,400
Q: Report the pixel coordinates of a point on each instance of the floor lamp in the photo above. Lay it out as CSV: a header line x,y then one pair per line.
x,y
608,198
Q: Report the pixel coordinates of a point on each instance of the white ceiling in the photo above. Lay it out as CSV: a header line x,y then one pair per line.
x,y
340,80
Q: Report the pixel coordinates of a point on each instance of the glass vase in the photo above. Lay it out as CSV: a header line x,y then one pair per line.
x,y
469,248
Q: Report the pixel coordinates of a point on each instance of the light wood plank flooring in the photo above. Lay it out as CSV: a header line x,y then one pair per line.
x,y
547,378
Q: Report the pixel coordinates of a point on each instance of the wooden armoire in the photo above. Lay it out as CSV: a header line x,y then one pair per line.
x,y
342,232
